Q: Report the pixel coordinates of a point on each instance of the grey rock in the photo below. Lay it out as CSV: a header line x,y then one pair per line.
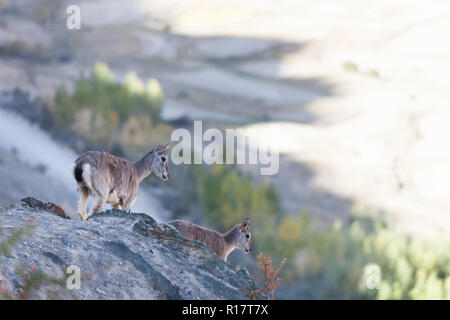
x,y
120,256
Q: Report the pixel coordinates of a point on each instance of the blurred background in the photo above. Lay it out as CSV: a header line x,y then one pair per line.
x,y
354,93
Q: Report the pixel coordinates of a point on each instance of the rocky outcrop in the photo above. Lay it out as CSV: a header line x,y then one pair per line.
x,y
120,256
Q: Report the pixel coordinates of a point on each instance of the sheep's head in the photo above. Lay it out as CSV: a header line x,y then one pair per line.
x,y
160,165
243,239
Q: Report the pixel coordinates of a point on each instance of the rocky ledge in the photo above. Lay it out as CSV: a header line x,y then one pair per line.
x,y
119,255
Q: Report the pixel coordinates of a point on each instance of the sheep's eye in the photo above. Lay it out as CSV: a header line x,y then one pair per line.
x,y
247,236
163,159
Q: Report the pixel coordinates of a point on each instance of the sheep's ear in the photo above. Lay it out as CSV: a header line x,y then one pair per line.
x,y
245,225
164,148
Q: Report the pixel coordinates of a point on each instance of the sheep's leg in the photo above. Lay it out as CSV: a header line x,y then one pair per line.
x,y
82,204
127,203
98,206
126,208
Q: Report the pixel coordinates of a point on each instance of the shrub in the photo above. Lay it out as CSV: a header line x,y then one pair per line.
x,y
226,197
333,262
271,279
32,280
110,114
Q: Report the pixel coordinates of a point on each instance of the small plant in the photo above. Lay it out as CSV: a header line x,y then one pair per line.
x,y
32,281
16,237
271,279
32,278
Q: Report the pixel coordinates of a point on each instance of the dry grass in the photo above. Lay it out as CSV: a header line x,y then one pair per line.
x,y
271,279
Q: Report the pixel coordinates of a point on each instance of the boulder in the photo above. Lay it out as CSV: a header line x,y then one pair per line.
x,y
119,255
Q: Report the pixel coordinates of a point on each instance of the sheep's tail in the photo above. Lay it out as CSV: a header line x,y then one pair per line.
x,y
82,174
78,172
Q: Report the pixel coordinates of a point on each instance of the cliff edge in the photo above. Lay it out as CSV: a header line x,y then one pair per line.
x,y
119,255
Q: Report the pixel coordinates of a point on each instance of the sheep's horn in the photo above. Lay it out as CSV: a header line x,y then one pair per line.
x,y
164,148
245,224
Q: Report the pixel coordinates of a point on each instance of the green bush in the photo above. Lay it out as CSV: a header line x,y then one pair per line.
x,y
325,263
228,197
334,262
111,114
